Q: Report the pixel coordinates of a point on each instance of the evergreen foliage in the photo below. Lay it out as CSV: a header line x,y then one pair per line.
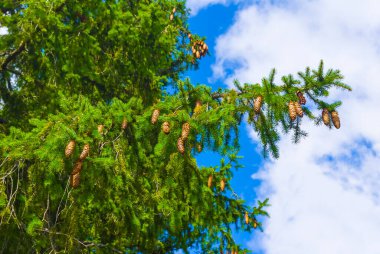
x,y
93,73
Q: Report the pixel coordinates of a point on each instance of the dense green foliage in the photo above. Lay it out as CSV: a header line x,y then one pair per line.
x,y
67,67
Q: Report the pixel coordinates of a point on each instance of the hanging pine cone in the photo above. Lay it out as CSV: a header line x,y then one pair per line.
x,y
199,147
166,127
222,184
74,180
174,10
335,119
171,17
124,123
209,181
301,98
181,145
185,131
298,108
257,104
155,115
189,36
77,167
197,108
70,148
85,152
197,54
254,224
326,117
100,128
246,218
292,111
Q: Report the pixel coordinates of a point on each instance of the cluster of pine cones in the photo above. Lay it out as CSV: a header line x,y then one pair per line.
x,y
334,116
199,49
75,173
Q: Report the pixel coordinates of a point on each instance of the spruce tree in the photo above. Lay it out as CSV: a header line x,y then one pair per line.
x,y
99,130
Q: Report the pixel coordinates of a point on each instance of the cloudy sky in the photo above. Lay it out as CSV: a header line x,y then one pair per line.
x,y
324,191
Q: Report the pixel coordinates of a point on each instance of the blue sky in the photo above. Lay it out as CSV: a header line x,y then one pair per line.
x,y
324,191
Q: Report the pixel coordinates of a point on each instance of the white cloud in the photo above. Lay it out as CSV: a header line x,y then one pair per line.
x,y
197,5
323,191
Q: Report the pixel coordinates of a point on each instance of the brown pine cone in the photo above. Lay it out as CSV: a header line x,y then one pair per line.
x,y
74,180
85,152
124,123
181,145
298,108
257,104
70,148
100,128
326,117
199,147
209,181
155,115
222,184
197,54
335,119
166,127
185,131
246,217
301,98
292,111
77,167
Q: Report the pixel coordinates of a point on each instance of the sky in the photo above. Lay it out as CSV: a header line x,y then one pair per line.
x,y
323,191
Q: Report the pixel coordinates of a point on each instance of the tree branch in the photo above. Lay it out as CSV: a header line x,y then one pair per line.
x,y
12,56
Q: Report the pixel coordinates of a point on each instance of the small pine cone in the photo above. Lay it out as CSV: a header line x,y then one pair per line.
x,y
205,47
199,147
124,123
181,145
155,115
292,111
171,17
325,117
258,103
222,184
299,110
197,108
335,119
70,148
85,152
197,54
77,167
301,98
100,128
209,181
246,218
166,127
174,10
189,36
254,224
74,180
185,131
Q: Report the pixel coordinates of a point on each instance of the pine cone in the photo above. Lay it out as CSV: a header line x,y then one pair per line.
x,y
174,10
124,123
335,119
185,131
85,152
197,54
166,127
199,147
197,108
325,117
257,104
77,167
209,181
181,145
70,148
301,98
246,217
298,108
254,224
171,17
100,128
155,115
189,36
222,184
205,47
74,180
292,111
